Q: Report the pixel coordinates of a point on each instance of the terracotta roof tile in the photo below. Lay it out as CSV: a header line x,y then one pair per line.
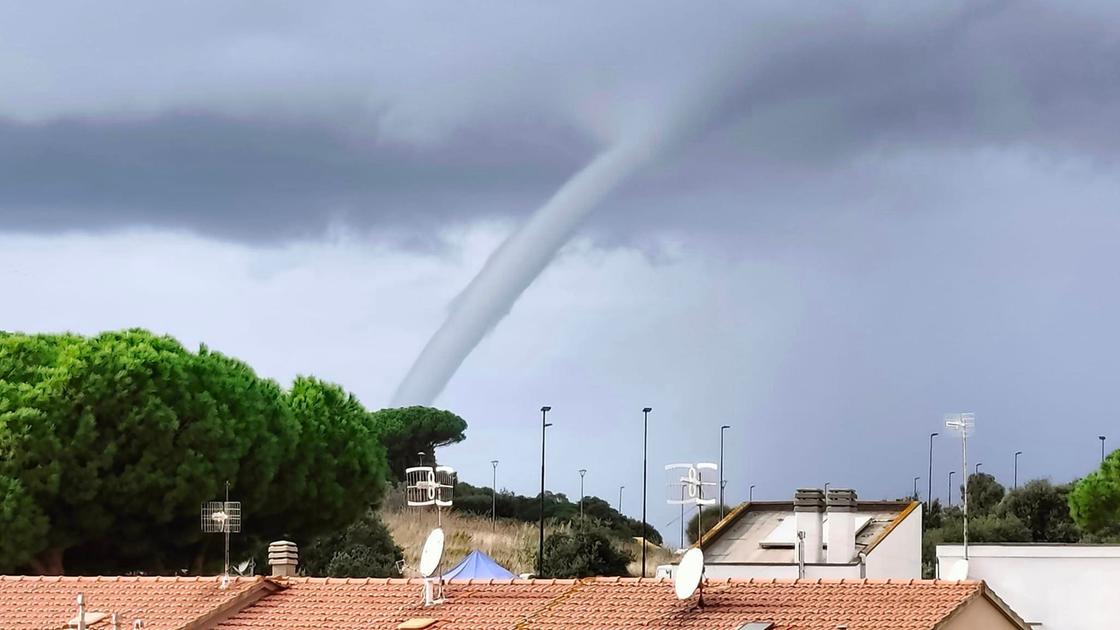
x,y
597,603
313,604
801,605
36,603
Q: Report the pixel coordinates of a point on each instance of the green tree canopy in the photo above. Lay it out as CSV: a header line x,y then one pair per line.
x,y
109,445
364,549
984,494
406,431
1095,501
583,552
1044,509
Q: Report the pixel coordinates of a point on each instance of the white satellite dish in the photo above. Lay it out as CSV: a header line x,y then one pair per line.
x,y
689,572
957,570
432,553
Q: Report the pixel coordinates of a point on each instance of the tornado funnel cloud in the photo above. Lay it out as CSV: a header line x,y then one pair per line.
x,y
513,267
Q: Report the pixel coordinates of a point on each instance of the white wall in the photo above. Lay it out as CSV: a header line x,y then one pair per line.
x,y
745,571
1061,587
899,555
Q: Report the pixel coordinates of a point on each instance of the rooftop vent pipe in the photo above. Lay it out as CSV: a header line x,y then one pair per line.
x,y
283,557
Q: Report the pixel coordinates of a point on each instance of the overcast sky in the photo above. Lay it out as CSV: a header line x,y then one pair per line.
x,y
886,211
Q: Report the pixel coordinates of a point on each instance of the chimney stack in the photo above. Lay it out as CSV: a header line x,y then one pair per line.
x,y
283,557
841,525
808,514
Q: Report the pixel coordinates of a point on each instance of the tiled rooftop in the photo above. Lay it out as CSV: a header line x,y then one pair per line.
x,y
163,603
33,603
373,604
608,604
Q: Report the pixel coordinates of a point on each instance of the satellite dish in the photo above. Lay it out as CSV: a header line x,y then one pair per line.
x,y
432,553
957,570
689,572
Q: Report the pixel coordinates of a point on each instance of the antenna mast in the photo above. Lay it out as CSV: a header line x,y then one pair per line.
x,y
428,486
686,481
963,424
222,517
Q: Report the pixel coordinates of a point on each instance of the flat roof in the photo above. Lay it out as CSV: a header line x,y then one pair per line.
x,y
739,536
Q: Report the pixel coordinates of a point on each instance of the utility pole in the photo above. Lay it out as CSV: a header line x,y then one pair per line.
x,y
540,544
645,441
721,430
494,497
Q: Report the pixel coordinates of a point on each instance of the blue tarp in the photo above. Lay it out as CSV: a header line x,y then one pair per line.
x,y
478,565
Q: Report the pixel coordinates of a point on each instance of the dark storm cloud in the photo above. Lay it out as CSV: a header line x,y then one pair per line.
x,y
261,180
489,126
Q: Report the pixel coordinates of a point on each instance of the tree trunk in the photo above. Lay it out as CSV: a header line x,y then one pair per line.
x,y
48,562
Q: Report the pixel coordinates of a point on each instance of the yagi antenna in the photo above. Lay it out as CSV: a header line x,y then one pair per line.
x,y
963,424
222,517
685,485
428,486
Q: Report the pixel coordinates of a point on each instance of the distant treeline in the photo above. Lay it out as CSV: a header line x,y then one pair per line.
x,y
557,508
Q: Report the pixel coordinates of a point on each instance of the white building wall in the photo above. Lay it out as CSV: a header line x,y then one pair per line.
x,y
760,571
899,555
1056,587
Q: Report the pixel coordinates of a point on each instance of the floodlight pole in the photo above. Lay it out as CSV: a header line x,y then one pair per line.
x,y
494,498
950,488
929,479
645,436
916,479
721,430
540,545
1015,473
582,472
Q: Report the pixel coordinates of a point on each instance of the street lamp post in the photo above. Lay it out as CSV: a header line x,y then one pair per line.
x,y
494,497
540,544
421,455
929,479
750,494
1015,473
950,489
582,472
721,430
620,489
645,442
976,471
1101,438
916,479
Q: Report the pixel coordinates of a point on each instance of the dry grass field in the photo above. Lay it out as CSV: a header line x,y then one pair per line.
x,y
512,544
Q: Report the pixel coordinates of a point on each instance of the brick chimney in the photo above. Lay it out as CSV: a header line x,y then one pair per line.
x,y
841,525
283,557
808,514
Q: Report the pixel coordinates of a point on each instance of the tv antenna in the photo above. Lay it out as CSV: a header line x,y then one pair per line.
x,y
686,486
222,517
429,486
963,424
